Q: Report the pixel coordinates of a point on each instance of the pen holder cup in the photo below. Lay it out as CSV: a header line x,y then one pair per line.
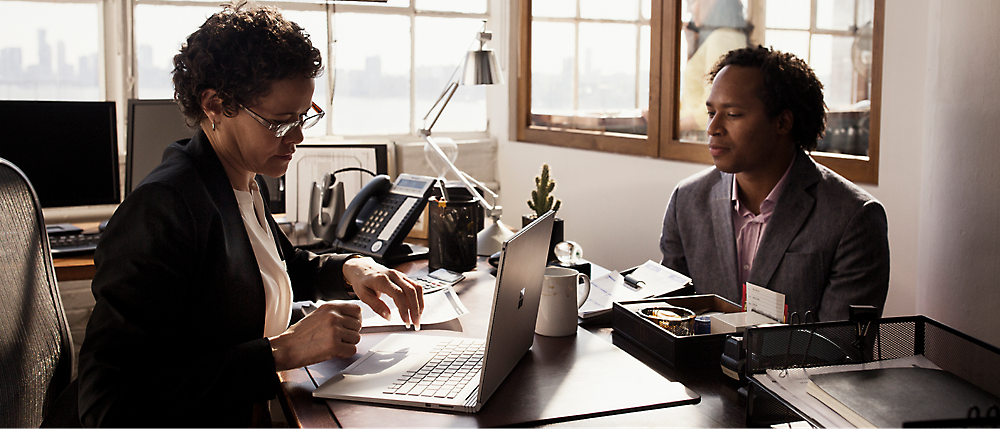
x,y
452,234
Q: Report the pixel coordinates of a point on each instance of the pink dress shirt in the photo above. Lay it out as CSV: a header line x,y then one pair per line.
x,y
749,228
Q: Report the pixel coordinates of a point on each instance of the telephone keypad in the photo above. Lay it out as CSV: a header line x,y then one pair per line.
x,y
373,226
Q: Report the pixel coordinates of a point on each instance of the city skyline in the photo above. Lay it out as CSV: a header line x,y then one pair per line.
x,y
48,69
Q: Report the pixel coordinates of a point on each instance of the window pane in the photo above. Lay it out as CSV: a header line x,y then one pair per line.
x,y
607,67
713,29
441,48
647,9
465,6
831,60
795,42
314,22
372,94
50,58
552,46
159,33
847,123
161,30
866,12
609,9
643,74
554,8
788,14
835,14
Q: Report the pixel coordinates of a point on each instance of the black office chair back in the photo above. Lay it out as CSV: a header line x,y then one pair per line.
x,y
36,352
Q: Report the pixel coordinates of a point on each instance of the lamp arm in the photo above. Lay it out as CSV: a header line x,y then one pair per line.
x,y
462,176
446,95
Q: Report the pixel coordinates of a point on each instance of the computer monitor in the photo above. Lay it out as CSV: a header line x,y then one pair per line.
x,y
151,126
68,149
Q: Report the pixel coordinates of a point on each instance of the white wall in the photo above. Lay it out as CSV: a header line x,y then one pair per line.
x,y
613,204
960,212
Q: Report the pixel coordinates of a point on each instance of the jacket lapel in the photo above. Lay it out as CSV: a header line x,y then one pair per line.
x,y
794,206
722,224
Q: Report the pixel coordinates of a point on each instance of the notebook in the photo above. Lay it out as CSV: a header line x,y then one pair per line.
x,y
456,373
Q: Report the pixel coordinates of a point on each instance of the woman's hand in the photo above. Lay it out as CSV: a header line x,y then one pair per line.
x,y
332,330
371,280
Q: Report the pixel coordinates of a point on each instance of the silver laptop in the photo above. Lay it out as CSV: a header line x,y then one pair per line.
x,y
456,373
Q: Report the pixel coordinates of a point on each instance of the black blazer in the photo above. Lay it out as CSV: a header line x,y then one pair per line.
x,y
176,336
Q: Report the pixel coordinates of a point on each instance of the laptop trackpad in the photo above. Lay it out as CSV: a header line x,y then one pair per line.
x,y
391,351
375,362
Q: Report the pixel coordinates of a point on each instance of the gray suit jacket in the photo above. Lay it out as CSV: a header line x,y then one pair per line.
x,y
825,246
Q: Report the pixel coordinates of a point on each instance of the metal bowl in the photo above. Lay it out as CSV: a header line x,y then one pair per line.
x,y
677,320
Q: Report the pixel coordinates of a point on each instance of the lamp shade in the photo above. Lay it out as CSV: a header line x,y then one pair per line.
x,y
481,68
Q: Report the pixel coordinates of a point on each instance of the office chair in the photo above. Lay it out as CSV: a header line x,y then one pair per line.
x,y
36,352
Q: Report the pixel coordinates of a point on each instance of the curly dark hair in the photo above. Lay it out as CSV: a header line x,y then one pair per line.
x,y
789,84
239,52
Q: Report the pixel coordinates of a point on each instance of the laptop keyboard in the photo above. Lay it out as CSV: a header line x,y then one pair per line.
x,y
454,364
73,243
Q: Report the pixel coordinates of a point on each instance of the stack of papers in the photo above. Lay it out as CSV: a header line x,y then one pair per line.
x,y
647,281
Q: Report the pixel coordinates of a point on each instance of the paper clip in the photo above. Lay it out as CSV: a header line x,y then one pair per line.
x,y
793,319
634,282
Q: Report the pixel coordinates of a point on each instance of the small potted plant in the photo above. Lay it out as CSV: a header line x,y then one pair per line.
x,y
541,202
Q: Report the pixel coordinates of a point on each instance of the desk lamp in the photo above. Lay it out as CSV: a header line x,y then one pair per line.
x,y
480,69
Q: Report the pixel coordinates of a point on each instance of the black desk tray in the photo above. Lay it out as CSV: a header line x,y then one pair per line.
x,y
788,346
680,352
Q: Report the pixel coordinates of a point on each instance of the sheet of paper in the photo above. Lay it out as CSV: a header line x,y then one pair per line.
x,y
603,289
440,306
765,301
608,288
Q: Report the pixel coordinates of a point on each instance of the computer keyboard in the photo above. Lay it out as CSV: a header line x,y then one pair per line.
x,y
455,363
66,240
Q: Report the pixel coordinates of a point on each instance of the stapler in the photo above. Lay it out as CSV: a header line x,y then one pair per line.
x,y
734,358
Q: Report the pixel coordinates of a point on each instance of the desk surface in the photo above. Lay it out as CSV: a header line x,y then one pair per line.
x,y
720,404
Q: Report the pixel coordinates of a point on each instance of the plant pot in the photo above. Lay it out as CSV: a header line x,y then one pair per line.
x,y
557,233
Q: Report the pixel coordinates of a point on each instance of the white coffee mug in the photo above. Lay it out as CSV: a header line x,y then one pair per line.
x,y
562,296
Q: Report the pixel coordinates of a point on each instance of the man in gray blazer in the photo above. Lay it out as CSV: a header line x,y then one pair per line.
x,y
767,214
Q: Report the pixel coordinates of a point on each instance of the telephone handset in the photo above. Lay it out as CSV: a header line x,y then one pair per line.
x,y
381,215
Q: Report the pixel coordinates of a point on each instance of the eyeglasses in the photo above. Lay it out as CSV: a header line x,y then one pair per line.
x,y
281,129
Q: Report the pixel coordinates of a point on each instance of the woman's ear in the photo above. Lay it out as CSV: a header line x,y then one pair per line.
x,y
211,104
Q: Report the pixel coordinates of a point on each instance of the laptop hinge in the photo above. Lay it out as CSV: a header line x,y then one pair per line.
x,y
473,399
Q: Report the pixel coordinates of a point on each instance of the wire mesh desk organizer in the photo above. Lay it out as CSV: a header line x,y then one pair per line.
x,y
782,362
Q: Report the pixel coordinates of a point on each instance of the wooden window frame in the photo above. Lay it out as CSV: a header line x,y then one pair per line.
x,y
664,82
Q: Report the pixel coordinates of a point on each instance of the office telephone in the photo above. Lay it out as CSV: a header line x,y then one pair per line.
x,y
381,215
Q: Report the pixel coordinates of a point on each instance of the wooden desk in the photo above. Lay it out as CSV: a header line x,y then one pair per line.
x,y
74,267
720,404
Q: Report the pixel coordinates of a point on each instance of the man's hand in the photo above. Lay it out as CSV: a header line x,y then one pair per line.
x,y
332,330
371,280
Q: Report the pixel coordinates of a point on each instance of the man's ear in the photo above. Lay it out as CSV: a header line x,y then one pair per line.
x,y
211,104
784,122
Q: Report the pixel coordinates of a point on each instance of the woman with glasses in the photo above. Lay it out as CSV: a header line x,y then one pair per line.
x,y
195,282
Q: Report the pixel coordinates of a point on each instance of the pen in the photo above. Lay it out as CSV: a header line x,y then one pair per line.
x,y
444,192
